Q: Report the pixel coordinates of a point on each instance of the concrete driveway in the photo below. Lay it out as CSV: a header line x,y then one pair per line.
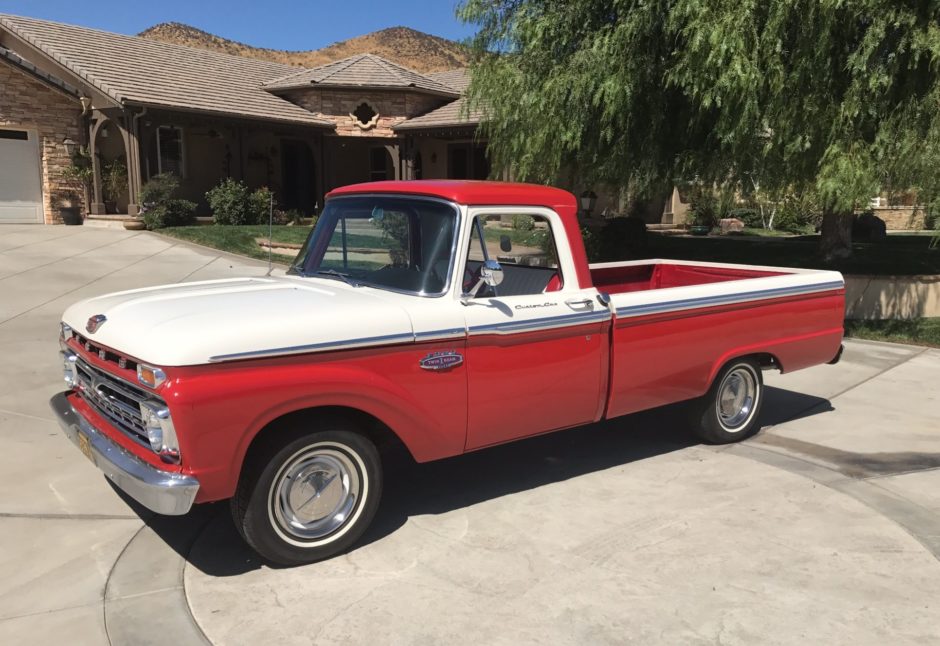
x,y
825,528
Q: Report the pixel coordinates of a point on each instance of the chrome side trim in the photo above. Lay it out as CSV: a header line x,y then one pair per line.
x,y
724,299
546,323
441,335
164,492
388,339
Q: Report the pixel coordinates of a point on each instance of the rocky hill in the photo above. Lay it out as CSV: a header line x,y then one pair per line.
x,y
409,47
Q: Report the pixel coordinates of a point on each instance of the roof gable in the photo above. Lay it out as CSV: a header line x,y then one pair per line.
x,y
361,70
129,69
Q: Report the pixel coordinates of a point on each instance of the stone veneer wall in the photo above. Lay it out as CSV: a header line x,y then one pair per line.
x,y
901,217
393,106
30,104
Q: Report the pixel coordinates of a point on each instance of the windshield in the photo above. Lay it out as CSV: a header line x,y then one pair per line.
x,y
398,243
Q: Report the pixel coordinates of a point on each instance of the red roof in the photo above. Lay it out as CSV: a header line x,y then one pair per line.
x,y
471,192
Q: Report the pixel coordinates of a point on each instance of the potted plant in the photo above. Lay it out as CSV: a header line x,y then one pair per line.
x,y
79,173
113,182
70,210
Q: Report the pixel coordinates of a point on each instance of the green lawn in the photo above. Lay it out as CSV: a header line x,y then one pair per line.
x,y
899,254
240,239
916,332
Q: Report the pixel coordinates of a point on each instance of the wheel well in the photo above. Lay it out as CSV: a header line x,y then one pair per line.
x,y
289,425
768,361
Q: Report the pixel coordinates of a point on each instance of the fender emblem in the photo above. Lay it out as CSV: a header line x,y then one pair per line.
x,y
441,360
95,322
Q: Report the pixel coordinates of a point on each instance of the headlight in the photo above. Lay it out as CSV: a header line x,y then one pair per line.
x,y
69,370
150,376
160,431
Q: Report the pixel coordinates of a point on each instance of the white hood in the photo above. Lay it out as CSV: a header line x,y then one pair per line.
x,y
195,323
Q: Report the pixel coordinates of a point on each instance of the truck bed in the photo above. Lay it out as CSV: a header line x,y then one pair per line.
x,y
677,322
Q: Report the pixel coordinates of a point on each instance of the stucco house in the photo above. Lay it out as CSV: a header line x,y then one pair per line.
x,y
156,107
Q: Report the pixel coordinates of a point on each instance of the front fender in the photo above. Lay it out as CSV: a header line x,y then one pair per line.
x,y
219,409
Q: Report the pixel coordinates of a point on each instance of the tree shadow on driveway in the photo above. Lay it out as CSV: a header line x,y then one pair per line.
x,y
413,489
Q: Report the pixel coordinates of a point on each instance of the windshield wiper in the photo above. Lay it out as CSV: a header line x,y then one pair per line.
x,y
338,274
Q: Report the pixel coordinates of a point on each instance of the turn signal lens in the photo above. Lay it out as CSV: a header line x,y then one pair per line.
x,y
150,376
160,431
69,370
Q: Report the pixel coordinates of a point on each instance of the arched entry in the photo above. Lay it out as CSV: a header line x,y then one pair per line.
x,y
298,172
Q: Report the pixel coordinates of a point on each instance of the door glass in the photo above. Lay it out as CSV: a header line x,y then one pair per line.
x,y
524,246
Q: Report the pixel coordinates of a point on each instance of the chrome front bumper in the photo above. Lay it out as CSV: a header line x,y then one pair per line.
x,y
171,494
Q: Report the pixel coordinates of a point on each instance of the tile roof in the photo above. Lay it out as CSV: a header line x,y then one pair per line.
x,y
140,71
458,79
361,70
450,115
446,116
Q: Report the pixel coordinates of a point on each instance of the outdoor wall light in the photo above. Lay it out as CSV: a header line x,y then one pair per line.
x,y
71,146
588,200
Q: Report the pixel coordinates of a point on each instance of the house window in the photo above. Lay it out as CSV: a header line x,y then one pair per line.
x,y
19,135
170,157
378,164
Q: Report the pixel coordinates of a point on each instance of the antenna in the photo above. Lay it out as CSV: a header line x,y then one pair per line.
x,y
270,232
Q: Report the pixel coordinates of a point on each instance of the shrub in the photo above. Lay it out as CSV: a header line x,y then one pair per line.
x,y
229,202
171,213
259,206
591,245
158,190
160,209
232,203
622,239
704,209
750,217
523,222
291,216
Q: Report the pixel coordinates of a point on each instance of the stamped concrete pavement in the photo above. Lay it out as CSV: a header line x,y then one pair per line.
x,y
822,528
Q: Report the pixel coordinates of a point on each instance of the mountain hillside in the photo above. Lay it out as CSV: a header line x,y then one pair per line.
x,y
409,47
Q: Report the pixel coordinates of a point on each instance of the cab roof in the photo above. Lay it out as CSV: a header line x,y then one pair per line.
x,y
470,192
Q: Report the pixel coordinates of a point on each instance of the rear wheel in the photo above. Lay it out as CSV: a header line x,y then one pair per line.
x,y
729,410
310,498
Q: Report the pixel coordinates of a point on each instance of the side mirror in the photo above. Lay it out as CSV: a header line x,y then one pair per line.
x,y
491,274
505,243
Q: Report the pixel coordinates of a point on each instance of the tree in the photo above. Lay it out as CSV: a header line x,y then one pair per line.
x,y
837,97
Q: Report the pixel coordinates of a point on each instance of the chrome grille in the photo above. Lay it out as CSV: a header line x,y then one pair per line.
x,y
116,400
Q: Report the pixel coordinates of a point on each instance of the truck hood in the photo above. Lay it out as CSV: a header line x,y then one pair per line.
x,y
197,323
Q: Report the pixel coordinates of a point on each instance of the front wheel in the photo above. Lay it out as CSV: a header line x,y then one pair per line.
x,y
729,410
309,499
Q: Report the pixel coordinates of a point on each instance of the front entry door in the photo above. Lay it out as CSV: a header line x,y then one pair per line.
x,y
535,344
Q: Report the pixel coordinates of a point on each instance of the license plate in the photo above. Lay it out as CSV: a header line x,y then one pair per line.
x,y
84,444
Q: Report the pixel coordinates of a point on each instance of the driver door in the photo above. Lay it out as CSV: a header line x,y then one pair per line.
x,y
536,347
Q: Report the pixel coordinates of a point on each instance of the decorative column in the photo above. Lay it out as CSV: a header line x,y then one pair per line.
x,y
97,205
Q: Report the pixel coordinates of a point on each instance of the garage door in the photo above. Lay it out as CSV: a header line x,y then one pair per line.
x,y
20,183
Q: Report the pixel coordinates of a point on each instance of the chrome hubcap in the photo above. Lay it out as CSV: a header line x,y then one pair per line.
x,y
736,398
316,493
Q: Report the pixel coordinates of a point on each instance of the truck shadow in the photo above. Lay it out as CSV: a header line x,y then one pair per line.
x,y
413,489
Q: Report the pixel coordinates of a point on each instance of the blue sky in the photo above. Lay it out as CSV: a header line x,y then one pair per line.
x,y
279,24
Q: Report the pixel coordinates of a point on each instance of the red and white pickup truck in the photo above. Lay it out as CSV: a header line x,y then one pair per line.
x,y
415,314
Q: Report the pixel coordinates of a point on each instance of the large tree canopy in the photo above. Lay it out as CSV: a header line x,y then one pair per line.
x,y
840,97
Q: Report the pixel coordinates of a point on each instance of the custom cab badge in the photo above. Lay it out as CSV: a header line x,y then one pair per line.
x,y
441,360
95,322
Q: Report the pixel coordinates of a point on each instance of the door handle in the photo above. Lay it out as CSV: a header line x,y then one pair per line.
x,y
580,303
